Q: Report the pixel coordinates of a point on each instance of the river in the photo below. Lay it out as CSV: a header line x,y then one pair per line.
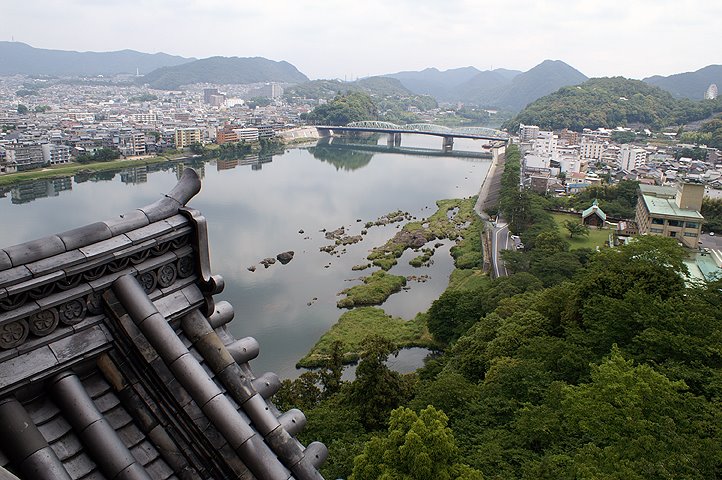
x,y
257,210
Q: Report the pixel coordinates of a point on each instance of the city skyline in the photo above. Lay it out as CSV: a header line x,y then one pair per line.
x,y
325,39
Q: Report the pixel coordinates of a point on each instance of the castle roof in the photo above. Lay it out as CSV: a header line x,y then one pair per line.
x,y
115,359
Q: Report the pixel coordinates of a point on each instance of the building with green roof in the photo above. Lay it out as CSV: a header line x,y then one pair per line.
x,y
671,212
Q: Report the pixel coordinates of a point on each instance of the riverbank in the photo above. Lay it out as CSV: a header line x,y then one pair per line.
x,y
73,168
454,220
68,169
463,220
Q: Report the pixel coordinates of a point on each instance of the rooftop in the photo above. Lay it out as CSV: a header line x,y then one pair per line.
x,y
116,362
661,201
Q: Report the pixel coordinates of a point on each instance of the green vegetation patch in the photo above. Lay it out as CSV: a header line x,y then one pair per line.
x,y
596,238
73,168
612,102
376,288
423,259
354,326
455,219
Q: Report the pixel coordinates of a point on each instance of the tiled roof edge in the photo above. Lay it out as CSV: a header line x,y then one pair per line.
x,y
187,187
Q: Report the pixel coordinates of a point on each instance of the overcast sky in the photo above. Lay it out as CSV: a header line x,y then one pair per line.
x,y
349,39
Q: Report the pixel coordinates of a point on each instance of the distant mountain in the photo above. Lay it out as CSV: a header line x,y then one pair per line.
x,y
690,84
482,89
20,58
609,103
501,88
229,70
545,78
431,81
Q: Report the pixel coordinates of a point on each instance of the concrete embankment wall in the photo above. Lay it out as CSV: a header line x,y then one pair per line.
x,y
299,133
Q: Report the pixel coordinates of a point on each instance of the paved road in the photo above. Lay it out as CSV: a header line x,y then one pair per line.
x,y
500,236
500,240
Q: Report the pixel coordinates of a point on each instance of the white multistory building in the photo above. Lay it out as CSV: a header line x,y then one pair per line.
x,y
631,157
592,148
55,154
527,133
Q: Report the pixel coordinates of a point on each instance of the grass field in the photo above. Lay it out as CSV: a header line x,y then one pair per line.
x,y
356,325
596,238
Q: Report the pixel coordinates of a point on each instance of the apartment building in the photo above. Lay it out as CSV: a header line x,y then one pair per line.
x,y
185,137
631,157
55,154
671,212
527,133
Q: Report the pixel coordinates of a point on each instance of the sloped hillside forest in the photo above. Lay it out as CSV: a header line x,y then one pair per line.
x,y
580,365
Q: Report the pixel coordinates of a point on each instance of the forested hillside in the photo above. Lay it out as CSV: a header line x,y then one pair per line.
x,y
612,102
223,70
582,364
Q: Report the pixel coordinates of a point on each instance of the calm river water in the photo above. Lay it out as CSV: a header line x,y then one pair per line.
x,y
256,210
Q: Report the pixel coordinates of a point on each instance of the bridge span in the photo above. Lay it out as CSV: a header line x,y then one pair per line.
x,y
394,132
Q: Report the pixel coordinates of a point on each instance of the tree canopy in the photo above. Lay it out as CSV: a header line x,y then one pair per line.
x,y
344,109
609,103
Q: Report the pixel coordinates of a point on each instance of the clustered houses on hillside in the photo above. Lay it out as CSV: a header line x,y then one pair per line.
x,y
65,120
566,162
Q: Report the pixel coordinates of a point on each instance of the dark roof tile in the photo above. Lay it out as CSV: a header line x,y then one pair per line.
x,y
118,417
55,429
35,250
79,465
67,446
144,452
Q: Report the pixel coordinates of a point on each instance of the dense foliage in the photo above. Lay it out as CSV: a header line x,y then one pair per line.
x,y
598,365
101,155
617,201
416,447
612,102
710,134
712,213
344,109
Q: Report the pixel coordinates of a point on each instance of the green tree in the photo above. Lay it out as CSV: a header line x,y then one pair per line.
x,y
197,148
576,229
258,102
377,390
628,422
416,447
344,109
22,109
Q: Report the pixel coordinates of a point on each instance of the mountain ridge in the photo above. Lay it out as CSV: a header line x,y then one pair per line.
x,y
690,85
224,70
21,58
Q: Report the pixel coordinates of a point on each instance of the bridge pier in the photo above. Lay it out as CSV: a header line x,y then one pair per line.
x,y
394,139
448,144
324,132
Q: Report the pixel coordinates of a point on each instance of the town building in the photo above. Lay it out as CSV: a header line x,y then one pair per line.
x,y
528,133
631,157
591,149
248,134
594,216
26,157
185,137
671,212
55,154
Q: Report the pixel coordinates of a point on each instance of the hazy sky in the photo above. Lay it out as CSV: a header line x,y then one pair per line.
x,y
349,39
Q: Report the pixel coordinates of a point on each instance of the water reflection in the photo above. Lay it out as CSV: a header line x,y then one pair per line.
x,y
253,214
